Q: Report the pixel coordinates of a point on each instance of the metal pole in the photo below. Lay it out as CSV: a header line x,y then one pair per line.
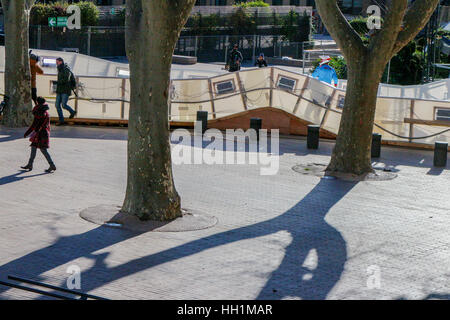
x,y
226,48
89,42
389,72
39,37
303,53
196,45
254,48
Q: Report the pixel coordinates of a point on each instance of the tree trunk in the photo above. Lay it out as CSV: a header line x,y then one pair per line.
x,y
352,151
153,28
403,20
17,64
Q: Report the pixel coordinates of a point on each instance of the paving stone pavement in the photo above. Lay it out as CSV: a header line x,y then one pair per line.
x,y
286,236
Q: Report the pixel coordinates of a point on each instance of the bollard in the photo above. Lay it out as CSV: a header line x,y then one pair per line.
x,y
313,136
203,117
440,154
376,145
256,124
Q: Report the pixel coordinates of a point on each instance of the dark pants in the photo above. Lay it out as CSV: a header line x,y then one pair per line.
x,y
61,103
34,95
235,67
44,152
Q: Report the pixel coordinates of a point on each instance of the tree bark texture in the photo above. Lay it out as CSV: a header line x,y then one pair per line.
x,y
366,63
17,64
153,28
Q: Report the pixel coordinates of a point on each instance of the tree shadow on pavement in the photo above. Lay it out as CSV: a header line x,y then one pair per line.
x,y
305,222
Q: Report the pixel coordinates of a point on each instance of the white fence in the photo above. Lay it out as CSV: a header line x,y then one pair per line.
x,y
223,95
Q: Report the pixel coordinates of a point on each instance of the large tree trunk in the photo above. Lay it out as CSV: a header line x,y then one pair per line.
x,y
366,63
153,28
17,64
352,151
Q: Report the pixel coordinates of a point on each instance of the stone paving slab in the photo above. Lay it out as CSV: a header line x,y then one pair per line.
x,y
287,236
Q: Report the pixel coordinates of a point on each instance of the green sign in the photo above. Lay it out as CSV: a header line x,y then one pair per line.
x,y
52,22
57,22
61,22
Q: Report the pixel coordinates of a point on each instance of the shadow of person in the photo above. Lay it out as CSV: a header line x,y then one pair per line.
x,y
8,135
18,177
305,222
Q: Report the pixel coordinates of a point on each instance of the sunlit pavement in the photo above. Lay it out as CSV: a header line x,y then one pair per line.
x,y
286,236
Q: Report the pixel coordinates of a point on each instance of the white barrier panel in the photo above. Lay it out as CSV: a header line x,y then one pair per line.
x,y
439,90
232,93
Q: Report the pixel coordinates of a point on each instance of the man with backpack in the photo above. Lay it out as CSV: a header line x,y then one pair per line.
x,y
235,59
65,84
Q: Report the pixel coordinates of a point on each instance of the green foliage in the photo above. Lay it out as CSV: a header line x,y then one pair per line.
x,y
360,25
338,63
205,25
406,66
256,3
89,13
240,22
41,12
296,27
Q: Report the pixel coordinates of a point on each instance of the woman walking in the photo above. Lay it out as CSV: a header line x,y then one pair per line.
x,y
40,135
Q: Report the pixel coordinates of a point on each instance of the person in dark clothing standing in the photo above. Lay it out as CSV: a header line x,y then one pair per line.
x,y
63,90
261,62
40,135
235,59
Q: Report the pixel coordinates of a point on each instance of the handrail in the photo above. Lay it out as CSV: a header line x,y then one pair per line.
x,y
45,293
82,295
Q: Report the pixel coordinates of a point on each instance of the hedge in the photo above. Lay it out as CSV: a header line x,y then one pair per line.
x,y
41,12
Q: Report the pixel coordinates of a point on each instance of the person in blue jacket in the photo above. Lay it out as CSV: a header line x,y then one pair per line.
x,y
326,73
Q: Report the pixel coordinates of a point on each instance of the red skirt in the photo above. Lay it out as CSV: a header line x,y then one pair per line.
x,y
40,139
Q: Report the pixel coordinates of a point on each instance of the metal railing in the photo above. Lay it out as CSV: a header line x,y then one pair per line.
x,y
81,295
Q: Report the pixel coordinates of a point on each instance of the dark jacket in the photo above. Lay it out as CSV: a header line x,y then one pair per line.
x,y
63,84
235,59
261,63
40,128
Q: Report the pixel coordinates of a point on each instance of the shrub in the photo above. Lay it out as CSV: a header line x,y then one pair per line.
x,y
256,3
89,13
338,63
242,23
41,12
360,25
296,27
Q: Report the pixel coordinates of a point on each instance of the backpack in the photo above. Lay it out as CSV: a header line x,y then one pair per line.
x,y
72,81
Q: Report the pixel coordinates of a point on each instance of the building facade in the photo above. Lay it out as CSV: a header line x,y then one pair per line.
x,y
347,6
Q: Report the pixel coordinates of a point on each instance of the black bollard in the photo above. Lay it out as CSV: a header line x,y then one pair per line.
x,y
203,117
313,136
256,124
376,145
440,154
